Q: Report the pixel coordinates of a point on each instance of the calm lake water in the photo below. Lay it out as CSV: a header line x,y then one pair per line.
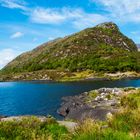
x,y
42,98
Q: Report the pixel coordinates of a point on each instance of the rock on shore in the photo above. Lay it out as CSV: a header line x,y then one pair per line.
x,y
96,104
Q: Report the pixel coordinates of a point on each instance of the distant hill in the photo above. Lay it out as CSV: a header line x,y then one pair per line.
x,y
101,48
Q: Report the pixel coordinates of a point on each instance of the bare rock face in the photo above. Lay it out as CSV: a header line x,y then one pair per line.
x,y
108,25
94,104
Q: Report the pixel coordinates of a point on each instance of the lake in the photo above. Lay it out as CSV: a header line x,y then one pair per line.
x,y
43,98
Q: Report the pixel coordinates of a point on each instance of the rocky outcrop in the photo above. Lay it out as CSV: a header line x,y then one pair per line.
x,y
96,104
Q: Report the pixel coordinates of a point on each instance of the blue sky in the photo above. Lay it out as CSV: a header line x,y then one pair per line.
x,y
25,24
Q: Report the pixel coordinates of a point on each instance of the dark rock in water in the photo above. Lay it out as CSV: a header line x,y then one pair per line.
x,y
87,112
85,106
71,104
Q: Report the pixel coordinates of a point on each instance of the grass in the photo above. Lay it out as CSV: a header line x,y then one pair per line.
x,y
93,94
90,130
123,126
32,129
76,76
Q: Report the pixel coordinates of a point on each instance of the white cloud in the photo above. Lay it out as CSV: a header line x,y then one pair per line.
x,y
123,10
88,20
119,11
76,17
40,15
14,4
53,16
6,55
16,35
51,38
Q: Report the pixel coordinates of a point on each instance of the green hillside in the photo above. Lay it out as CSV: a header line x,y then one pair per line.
x,y
101,48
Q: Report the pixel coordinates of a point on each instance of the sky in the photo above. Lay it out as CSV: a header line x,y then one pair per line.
x,y
25,24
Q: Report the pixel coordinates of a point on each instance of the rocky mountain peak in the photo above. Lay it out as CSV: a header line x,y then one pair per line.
x,y
108,25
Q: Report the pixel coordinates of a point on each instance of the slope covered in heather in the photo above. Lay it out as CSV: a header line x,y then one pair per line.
x,y
101,48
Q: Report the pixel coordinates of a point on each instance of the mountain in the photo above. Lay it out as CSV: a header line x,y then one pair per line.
x,y
101,48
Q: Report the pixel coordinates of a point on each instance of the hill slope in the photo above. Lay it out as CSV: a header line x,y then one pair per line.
x,y
101,48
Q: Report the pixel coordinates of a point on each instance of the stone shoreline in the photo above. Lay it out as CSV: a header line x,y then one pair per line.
x,y
65,76
96,104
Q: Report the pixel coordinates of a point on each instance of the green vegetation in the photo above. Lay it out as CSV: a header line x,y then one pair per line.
x,y
123,125
95,131
100,59
101,49
93,94
32,129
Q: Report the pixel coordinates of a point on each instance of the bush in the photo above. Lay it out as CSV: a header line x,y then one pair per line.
x,y
32,129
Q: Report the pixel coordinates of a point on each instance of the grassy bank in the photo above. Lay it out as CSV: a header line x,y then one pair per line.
x,y
31,128
64,76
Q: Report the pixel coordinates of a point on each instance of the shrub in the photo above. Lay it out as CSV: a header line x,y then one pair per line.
x,y
32,129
